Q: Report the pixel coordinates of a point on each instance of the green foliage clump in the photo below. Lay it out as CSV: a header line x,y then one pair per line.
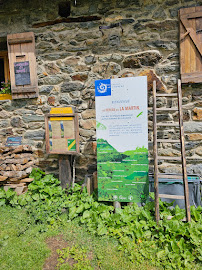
x,y
77,254
173,244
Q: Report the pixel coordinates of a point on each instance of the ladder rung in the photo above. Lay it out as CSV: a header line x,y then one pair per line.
x,y
167,109
168,196
168,141
170,217
167,95
169,158
168,124
170,176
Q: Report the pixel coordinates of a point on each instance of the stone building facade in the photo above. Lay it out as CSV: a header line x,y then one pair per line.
x,y
72,55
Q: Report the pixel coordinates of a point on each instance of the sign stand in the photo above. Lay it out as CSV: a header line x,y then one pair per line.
x,y
62,138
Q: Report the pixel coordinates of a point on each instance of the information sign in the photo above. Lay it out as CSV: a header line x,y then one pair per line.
x,y
14,141
122,139
62,131
22,73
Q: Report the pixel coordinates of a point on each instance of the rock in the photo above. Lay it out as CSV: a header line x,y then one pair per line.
x,y
195,137
33,118
87,133
193,127
146,58
194,169
17,122
88,114
90,59
4,123
35,125
52,69
6,131
163,25
35,135
65,99
52,80
151,76
46,89
71,86
197,114
51,100
168,45
88,124
80,77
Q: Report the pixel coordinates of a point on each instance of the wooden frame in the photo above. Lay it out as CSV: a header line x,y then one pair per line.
x,y
4,56
76,133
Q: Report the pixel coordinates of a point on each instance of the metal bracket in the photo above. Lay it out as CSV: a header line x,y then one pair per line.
x,y
112,25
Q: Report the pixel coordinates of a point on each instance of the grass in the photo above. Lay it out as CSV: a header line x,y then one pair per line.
x,y
23,245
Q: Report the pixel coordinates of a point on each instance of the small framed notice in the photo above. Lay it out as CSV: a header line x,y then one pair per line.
x,y
14,141
62,135
22,73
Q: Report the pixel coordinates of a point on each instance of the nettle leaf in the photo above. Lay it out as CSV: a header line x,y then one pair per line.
x,y
86,214
80,209
101,230
2,202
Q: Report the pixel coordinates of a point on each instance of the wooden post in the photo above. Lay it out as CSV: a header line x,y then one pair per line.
x,y
184,166
116,205
155,154
65,171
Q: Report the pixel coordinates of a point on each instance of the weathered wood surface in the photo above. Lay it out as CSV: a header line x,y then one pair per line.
x,y
191,44
184,166
16,164
21,48
65,171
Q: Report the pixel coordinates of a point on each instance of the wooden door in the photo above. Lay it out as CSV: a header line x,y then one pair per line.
x,y
191,44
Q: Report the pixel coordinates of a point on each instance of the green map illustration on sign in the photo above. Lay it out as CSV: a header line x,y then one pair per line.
x,y
125,174
122,139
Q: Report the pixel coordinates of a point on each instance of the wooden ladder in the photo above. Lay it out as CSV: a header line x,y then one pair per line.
x,y
157,157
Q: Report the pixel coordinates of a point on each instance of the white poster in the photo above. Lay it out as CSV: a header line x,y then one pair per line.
x,y
122,139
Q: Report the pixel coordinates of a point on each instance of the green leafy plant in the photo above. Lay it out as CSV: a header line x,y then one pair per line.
x,y
173,245
78,255
5,88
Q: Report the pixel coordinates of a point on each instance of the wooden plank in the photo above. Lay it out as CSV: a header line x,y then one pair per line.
x,y
195,77
166,109
192,67
155,154
168,196
184,167
168,141
19,41
167,125
65,174
169,158
196,14
170,176
27,89
182,44
167,95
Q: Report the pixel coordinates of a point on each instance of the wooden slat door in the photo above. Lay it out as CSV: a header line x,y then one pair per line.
x,y
21,48
191,44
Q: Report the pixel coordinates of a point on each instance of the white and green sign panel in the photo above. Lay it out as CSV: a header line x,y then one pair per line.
x,y
122,139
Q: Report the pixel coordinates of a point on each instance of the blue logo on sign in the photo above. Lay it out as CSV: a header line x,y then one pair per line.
x,y
103,88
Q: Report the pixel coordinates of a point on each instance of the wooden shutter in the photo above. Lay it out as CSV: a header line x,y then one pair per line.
x,y
22,63
191,44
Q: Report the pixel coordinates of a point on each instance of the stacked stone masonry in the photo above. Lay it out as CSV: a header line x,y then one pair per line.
x,y
71,56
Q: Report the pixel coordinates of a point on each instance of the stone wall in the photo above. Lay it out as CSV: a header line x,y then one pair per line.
x,y
70,56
